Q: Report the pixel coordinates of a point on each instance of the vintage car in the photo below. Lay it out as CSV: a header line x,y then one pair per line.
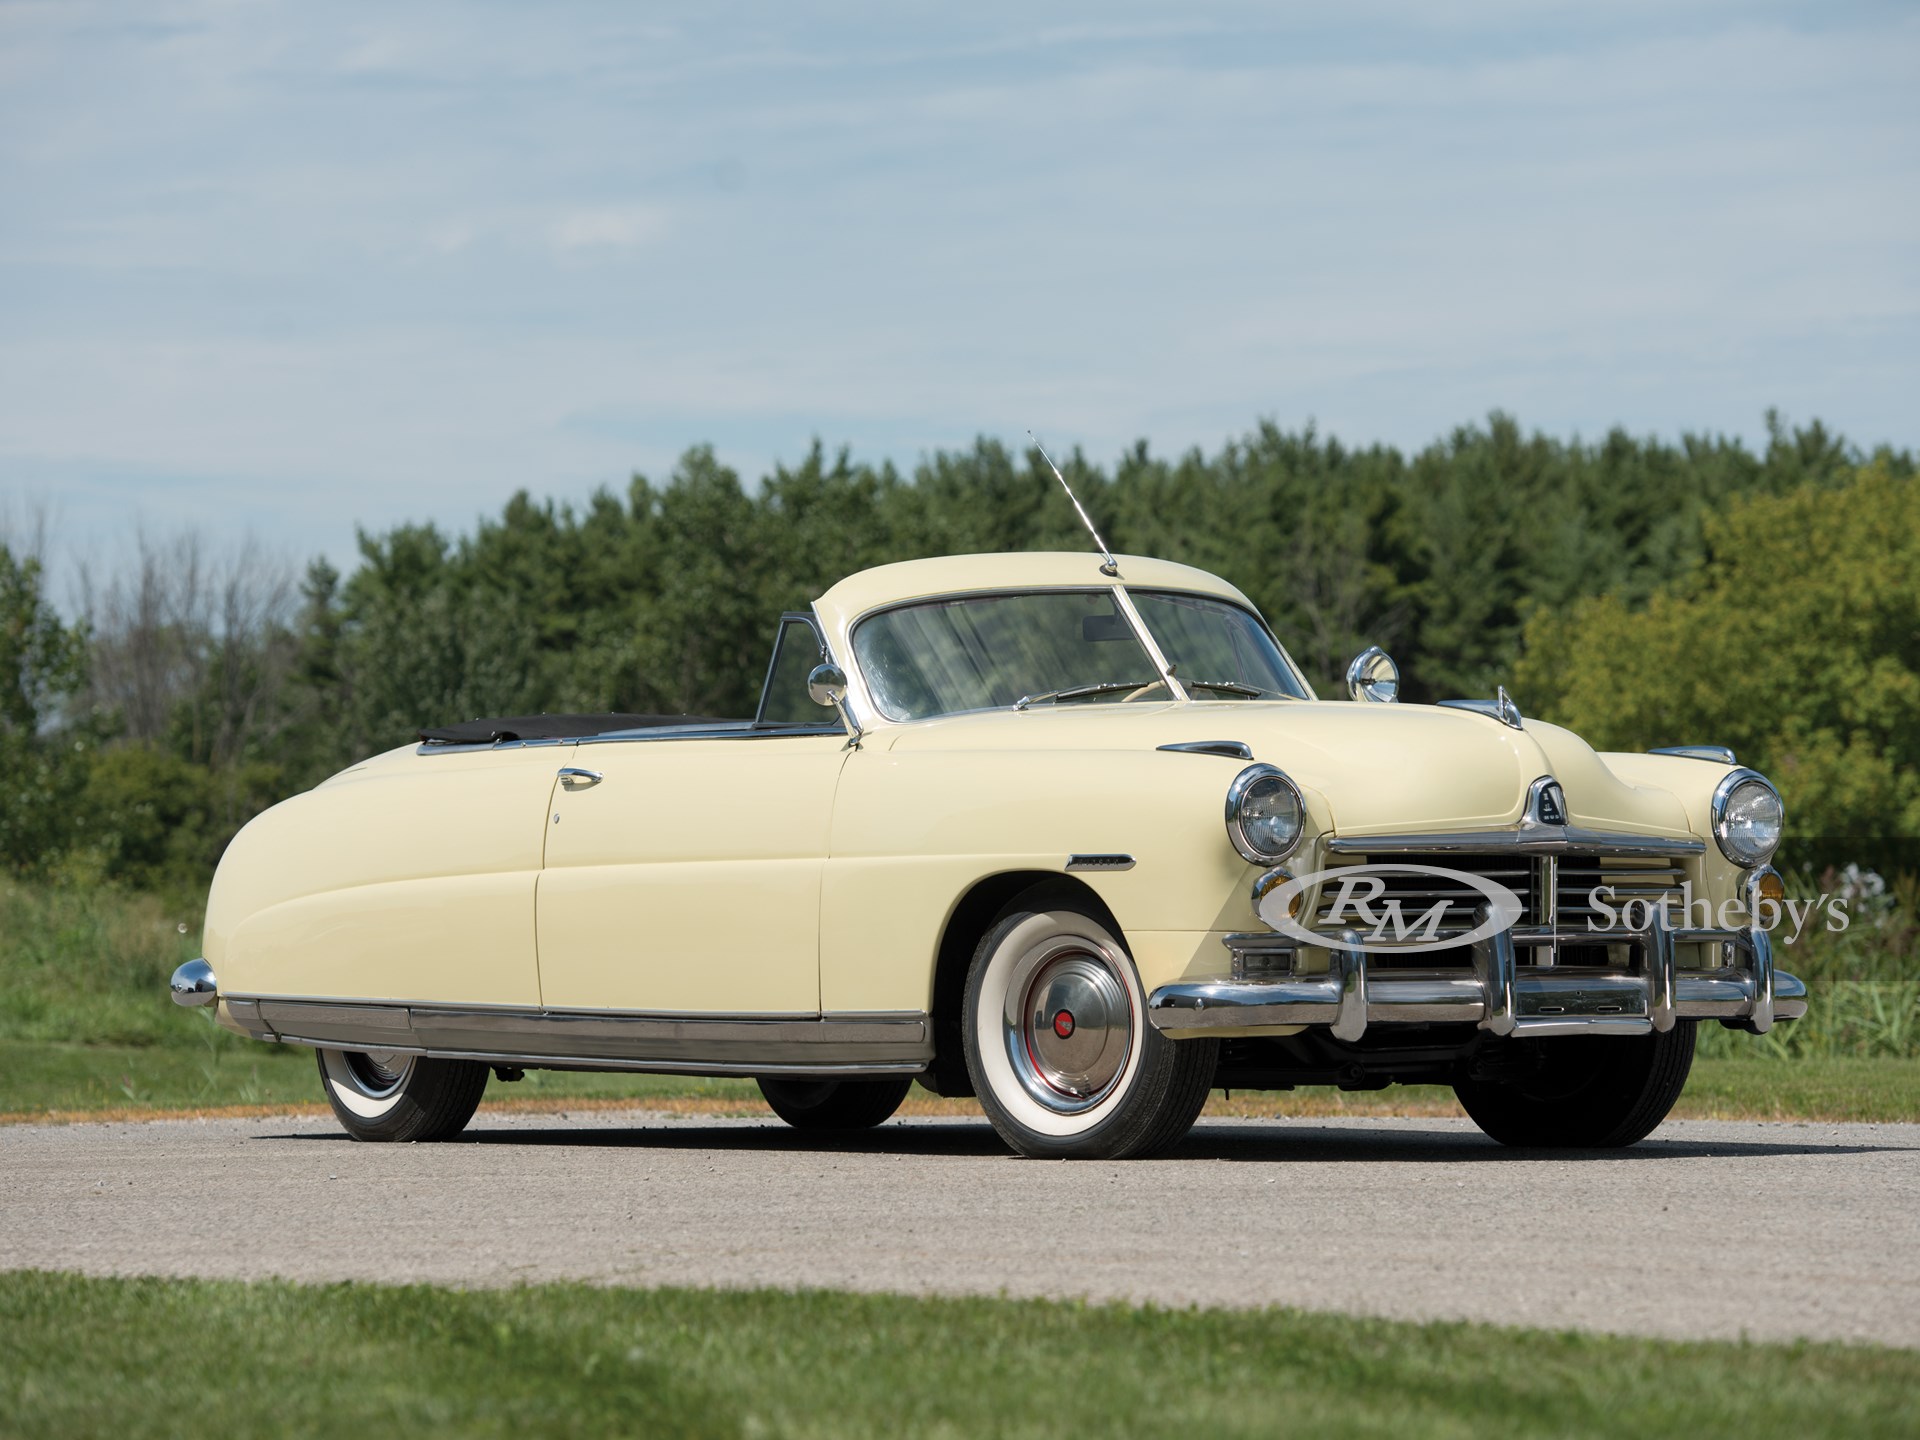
x,y
1070,834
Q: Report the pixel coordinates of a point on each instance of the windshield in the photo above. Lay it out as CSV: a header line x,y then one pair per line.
x,y
1053,647
1216,650
987,651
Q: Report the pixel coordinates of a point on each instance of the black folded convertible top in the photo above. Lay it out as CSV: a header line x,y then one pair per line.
x,y
551,727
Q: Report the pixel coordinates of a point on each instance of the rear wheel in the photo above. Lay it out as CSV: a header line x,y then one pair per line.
x,y
835,1104
1059,1048
382,1095
1579,1092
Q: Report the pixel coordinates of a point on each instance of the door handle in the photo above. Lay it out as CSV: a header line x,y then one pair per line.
x,y
576,779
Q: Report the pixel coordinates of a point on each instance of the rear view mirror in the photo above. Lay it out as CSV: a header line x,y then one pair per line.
x,y
1105,627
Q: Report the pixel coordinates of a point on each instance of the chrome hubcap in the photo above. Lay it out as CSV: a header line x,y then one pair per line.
x,y
1069,1023
378,1073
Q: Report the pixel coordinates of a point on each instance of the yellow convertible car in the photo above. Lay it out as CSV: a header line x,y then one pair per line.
x,y
1069,834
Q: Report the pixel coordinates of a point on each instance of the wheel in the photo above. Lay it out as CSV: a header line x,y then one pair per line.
x,y
1058,1046
1584,1093
379,1095
835,1104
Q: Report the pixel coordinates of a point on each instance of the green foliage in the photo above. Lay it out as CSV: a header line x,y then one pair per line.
x,y
42,662
103,1356
1796,642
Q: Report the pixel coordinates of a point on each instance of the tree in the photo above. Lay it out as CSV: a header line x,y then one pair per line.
x,y
1796,642
43,662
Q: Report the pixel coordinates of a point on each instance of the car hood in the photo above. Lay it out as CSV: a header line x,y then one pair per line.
x,y
1374,768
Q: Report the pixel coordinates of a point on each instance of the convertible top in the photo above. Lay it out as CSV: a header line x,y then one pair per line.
x,y
550,727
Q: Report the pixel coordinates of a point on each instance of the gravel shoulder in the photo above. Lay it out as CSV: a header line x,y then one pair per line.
x,y
1709,1229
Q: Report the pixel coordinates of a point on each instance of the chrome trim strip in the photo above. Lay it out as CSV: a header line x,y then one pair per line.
x,y
1231,749
728,730
1111,863
1718,753
721,1043
1538,839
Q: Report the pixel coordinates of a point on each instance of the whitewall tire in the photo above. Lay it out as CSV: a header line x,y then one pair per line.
x,y
383,1095
1058,1045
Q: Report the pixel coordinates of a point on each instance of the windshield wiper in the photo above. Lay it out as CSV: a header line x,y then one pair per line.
x,y
1074,692
1232,687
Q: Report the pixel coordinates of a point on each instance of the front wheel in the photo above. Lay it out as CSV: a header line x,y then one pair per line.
x,y
381,1095
1058,1045
835,1104
1580,1092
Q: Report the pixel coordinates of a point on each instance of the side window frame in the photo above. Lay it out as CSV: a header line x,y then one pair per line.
x,y
780,634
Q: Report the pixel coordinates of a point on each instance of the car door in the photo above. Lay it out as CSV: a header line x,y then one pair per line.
x,y
683,872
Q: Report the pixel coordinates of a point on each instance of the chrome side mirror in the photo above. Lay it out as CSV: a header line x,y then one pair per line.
x,y
827,685
1373,677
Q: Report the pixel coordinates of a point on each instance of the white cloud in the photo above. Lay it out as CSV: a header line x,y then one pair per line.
x,y
617,228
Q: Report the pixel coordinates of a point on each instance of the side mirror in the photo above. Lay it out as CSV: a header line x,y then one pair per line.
x,y
827,685
1373,678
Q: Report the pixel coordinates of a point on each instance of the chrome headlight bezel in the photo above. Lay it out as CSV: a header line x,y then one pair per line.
x,y
1745,856
1251,785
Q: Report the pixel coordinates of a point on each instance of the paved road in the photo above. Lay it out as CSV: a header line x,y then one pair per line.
x,y
1708,1229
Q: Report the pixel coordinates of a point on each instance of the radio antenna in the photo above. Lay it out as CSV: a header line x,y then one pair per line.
x,y
1112,566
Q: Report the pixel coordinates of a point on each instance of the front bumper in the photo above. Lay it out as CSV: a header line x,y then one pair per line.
x,y
1498,995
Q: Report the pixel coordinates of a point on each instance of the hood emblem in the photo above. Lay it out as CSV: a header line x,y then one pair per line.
x,y
1546,804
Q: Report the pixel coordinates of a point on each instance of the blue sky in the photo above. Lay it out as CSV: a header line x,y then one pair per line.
x,y
268,270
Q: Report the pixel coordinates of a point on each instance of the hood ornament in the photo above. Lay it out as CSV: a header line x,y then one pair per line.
x,y
1501,708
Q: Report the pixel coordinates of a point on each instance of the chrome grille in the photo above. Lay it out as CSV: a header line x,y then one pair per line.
x,y
1418,893
1573,879
1629,877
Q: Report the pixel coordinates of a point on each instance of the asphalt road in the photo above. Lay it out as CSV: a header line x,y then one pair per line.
x,y
1708,1229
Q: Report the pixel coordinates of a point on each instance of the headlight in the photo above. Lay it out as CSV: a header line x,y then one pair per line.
x,y
1747,818
1264,814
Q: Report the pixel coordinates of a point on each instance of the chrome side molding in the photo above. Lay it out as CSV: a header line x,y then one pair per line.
x,y
889,1043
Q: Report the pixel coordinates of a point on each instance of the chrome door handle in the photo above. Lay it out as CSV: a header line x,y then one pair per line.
x,y
574,778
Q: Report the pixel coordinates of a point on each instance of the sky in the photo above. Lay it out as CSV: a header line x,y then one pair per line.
x,y
270,271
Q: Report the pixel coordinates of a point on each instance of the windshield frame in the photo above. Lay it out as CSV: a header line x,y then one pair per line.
x,y
1123,601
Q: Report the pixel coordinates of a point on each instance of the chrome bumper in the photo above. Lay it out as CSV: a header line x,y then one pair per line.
x,y
1497,995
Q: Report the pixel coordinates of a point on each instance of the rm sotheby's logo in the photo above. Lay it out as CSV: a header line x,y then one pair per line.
x,y
1359,898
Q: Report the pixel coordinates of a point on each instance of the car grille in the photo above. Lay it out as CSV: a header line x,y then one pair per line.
x,y
1574,879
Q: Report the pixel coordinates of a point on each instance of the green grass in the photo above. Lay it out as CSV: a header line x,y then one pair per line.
x,y
153,1357
1880,1090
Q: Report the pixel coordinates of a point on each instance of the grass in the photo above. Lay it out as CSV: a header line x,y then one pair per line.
x,y
86,1029
151,1357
